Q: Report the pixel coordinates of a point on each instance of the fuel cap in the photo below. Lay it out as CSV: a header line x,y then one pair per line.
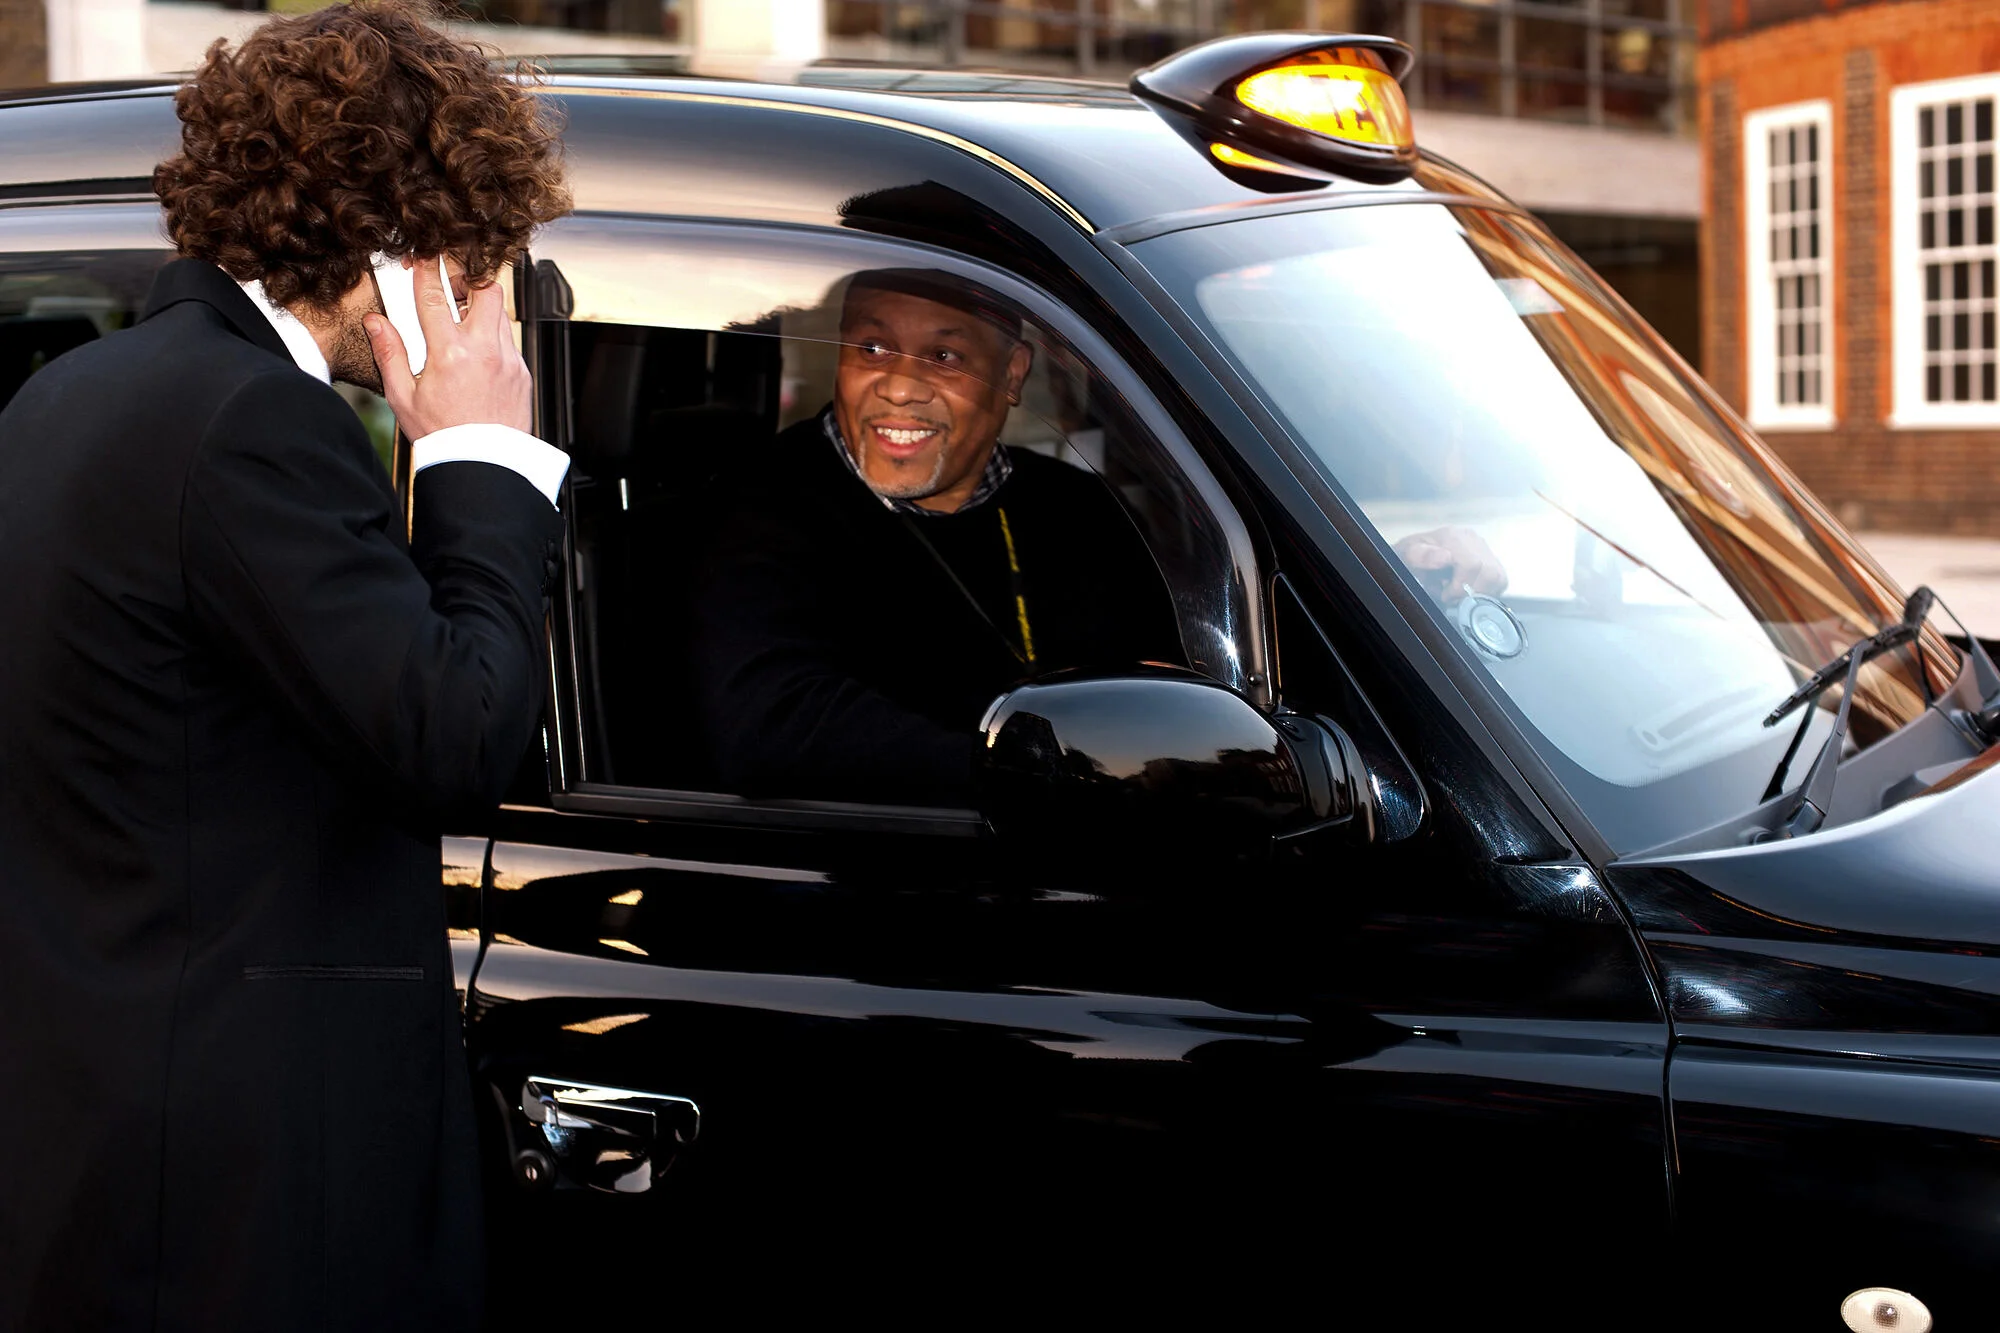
x,y
1885,1310
1490,626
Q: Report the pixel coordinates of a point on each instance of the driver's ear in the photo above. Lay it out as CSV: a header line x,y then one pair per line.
x,y
1019,362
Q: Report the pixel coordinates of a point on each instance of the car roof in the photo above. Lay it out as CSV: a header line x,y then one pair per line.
x,y
642,137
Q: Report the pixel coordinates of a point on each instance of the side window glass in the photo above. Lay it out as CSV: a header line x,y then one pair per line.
x,y
55,303
809,547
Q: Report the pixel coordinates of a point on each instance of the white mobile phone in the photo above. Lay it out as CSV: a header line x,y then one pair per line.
x,y
398,287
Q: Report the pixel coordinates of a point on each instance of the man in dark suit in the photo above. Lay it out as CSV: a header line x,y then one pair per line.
x,y
238,695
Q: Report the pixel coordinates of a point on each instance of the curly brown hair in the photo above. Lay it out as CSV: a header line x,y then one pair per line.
x,y
361,127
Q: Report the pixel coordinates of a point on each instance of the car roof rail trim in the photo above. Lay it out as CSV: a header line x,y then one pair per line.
x,y
1210,215
986,155
95,188
109,91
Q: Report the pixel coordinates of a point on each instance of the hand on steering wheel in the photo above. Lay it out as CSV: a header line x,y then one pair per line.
x,y
1452,563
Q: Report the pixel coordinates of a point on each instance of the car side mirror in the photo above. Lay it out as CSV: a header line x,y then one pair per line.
x,y
1169,757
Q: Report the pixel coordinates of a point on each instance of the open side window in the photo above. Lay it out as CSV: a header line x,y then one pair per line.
x,y
695,372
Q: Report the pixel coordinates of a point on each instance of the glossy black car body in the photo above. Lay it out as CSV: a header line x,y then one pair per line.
x,y
1474,1062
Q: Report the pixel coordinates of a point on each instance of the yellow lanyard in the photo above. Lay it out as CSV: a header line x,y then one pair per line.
x,y
1020,592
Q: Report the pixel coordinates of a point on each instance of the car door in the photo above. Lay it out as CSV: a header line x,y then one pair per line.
x,y
1836,1079
905,1038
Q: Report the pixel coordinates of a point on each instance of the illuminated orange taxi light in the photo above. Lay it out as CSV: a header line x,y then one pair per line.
x,y
1354,102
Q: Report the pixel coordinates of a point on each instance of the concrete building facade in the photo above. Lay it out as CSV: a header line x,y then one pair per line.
x,y
1850,250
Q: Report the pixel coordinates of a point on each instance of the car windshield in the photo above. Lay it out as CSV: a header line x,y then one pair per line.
x,y
1663,583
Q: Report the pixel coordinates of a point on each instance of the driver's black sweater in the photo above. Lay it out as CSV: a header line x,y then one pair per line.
x,y
834,657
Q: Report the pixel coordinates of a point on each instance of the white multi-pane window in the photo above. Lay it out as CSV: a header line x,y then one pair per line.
x,y
1788,190
1947,359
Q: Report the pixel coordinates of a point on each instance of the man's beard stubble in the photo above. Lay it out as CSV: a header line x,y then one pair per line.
x,y
903,490
352,359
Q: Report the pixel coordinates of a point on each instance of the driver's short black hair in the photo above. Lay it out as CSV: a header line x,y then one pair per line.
x,y
945,289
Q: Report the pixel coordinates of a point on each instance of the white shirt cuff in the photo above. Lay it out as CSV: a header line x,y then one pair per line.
x,y
543,465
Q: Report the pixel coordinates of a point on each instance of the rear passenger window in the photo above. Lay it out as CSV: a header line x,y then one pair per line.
x,y
790,575
54,303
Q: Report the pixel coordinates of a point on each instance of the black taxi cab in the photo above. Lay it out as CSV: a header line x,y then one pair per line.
x,y
1625,928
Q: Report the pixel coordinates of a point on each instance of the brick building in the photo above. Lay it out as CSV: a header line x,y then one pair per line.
x,y
24,54
1849,247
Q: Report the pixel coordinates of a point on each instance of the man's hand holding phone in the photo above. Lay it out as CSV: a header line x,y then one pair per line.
x,y
472,375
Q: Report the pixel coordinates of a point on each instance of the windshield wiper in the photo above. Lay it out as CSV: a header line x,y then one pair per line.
x,y
1807,810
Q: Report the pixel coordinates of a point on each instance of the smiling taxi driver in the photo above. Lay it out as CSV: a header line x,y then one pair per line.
x,y
891,568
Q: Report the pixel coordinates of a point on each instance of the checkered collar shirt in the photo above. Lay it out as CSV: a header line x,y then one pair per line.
x,y
998,468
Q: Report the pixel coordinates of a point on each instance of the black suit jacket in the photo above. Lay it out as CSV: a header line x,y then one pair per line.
x,y
235,703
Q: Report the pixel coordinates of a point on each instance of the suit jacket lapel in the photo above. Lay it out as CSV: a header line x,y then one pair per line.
x,y
198,280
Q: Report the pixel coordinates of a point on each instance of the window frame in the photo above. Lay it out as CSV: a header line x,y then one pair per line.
x,y
1766,411
568,715
1907,350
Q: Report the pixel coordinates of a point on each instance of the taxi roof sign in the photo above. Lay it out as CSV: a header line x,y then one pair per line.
x,y
1325,101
